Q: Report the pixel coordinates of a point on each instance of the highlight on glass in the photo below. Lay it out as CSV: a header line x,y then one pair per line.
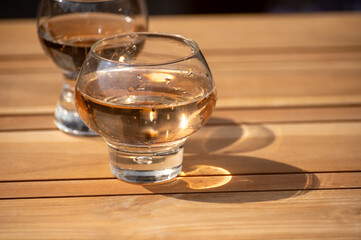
x,y
68,28
145,94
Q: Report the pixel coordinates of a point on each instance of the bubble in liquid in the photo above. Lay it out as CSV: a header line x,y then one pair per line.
x,y
139,77
140,87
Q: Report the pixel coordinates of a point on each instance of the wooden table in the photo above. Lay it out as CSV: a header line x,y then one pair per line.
x,y
280,158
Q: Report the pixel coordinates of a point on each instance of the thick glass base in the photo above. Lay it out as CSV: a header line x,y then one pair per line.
x,y
69,121
66,117
151,176
146,166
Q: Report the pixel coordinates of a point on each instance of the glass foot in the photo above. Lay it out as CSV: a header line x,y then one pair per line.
x,y
69,121
150,176
150,165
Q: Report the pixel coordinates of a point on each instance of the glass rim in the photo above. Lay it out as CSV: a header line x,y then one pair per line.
x,y
189,42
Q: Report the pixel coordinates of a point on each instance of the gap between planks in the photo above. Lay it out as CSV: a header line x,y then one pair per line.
x,y
39,122
190,184
214,150
302,51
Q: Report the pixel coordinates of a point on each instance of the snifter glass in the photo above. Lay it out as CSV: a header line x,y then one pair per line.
x,y
145,94
68,28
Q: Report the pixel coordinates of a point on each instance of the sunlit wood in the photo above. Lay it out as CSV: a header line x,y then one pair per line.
x,y
279,158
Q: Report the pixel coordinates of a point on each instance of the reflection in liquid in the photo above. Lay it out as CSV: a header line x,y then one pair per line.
x,y
121,59
183,122
206,183
159,77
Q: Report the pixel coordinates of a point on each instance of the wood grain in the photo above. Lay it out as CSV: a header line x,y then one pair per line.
x,y
219,117
245,149
280,158
27,122
217,59
244,32
236,88
29,93
226,183
265,31
282,68
328,214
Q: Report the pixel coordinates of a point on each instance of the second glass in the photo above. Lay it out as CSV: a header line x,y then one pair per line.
x,y
68,28
145,94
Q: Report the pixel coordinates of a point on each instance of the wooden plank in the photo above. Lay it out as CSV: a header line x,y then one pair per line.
x,y
247,76
220,116
27,122
288,88
236,31
236,88
264,31
226,183
29,93
241,60
284,115
326,214
245,149
21,37
34,64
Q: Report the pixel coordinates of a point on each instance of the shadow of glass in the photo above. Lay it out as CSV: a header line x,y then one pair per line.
x,y
252,180
220,136
210,166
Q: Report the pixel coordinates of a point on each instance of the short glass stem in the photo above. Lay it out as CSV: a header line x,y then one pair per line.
x,y
66,117
146,165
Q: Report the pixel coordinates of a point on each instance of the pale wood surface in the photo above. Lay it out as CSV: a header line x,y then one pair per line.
x,y
249,149
323,214
277,60
279,159
221,116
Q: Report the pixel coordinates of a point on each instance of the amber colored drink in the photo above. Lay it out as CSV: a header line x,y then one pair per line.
x,y
68,43
148,108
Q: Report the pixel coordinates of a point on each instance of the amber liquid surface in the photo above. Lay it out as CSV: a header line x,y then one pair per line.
x,y
145,107
68,38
